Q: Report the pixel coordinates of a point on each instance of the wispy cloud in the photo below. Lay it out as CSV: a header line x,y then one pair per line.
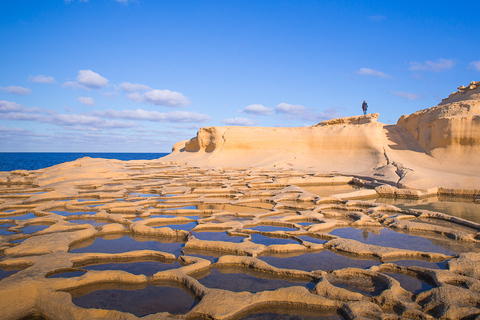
x,y
475,65
17,90
161,98
257,109
406,95
86,100
372,72
8,106
131,87
292,111
238,122
42,79
139,114
87,79
435,66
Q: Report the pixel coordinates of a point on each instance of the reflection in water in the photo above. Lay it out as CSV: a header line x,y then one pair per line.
x,y
217,236
137,299
410,283
147,268
244,279
261,239
389,238
34,228
71,213
458,207
324,260
290,313
122,243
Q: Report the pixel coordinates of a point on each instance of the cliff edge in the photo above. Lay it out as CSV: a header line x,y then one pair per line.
x,y
434,147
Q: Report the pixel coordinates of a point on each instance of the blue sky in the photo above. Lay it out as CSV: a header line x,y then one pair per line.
x,y
138,76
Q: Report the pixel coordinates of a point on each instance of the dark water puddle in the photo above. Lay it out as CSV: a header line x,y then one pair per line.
x,y
76,213
148,268
144,194
4,227
313,240
140,300
162,216
91,222
68,274
261,239
291,313
6,273
35,228
305,223
27,216
421,263
372,288
458,207
184,226
122,243
272,228
182,208
217,236
410,283
389,238
324,260
243,279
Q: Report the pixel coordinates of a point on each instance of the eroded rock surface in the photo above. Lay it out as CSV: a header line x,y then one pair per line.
x,y
312,243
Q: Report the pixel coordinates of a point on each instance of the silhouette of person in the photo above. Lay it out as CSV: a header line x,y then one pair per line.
x,y
364,107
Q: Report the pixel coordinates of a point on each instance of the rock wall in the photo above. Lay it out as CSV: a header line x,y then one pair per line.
x,y
451,129
332,145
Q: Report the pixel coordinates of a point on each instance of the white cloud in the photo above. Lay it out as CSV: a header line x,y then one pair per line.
x,y
160,98
140,114
41,79
166,98
291,109
238,122
86,100
371,72
257,109
406,95
136,97
87,79
435,66
475,65
8,106
298,112
90,79
131,87
86,120
17,90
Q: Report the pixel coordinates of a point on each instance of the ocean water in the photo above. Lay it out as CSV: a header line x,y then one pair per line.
x,y
10,161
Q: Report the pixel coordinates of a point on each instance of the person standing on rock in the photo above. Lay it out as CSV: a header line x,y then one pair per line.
x,y
364,107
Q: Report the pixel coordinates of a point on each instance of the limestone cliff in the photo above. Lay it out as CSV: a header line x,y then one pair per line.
x,y
451,130
439,146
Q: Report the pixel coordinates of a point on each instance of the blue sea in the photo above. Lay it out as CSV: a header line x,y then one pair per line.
x,y
10,161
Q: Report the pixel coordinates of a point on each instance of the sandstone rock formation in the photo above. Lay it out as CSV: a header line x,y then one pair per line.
x,y
435,147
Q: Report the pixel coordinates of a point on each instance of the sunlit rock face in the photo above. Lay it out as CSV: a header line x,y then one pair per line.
x,y
347,144
451,130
